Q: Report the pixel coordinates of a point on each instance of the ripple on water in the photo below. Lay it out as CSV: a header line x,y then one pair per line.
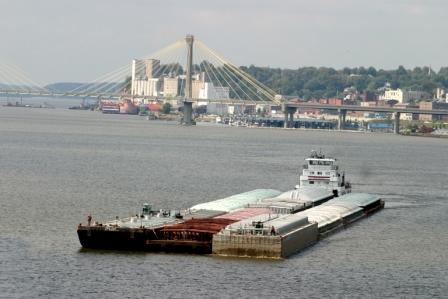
x,y
58,165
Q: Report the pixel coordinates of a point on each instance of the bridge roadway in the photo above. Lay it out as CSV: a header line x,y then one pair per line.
x,y
291,108
371,109
57,94
118,96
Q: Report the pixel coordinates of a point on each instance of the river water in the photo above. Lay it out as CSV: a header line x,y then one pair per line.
x,y
58,165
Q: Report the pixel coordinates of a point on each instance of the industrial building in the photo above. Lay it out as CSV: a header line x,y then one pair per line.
x,y
404,96
433,106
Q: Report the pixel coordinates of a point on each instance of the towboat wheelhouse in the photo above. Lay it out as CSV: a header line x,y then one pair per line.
x,y
323,172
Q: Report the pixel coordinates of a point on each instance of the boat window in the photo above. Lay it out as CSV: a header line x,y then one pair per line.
x,y
318,162
311,182
319,173
311,172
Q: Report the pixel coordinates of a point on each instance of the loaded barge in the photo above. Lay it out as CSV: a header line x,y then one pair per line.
x,y
259,223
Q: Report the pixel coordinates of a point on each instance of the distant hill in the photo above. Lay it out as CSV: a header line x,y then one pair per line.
x,y
80,87
63,86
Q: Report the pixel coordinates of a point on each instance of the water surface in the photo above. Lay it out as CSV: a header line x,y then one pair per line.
x,y
57,165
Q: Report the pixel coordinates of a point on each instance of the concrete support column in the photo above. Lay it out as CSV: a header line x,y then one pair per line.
x,y
397,123
341,119
291,112
285,121
289,116
188,113
296,110
285,113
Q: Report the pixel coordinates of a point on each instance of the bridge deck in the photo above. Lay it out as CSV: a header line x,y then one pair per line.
x,y
368,109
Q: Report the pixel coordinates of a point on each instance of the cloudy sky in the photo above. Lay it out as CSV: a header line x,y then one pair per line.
x,y
66,40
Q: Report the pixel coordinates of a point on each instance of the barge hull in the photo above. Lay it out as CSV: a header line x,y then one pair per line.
x,y
138,240
260,246
282,246
97,237
191,236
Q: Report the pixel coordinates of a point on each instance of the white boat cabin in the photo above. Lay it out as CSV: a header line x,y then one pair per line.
x,y
323,172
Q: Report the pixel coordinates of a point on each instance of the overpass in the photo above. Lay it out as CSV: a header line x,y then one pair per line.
x,y
291,108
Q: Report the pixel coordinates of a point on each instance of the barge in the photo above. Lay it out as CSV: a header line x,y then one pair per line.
x,y
279,236
153,230
262,223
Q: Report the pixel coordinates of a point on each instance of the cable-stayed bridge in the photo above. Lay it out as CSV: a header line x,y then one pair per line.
x,y
201,73
186,71
13,80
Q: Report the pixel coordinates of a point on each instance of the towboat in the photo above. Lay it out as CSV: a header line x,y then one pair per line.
x,y
323,171
260,223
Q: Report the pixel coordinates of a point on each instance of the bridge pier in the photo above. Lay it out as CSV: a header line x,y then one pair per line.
x,y
342,111
289,116
341,118
291,112
188,113
285,113
397,123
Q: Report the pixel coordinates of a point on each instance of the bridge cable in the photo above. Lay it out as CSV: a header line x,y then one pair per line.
x,y
219,82
234,79
268,92
229,71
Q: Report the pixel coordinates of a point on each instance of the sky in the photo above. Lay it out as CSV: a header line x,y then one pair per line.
x,y
78,41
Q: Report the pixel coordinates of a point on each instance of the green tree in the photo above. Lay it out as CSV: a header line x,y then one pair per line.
x,y
127,84
166,108
310,82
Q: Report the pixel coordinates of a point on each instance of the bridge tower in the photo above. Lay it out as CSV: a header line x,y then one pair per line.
x,y
188,102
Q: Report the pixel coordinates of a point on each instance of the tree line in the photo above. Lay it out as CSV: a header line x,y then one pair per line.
x,y
324,82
